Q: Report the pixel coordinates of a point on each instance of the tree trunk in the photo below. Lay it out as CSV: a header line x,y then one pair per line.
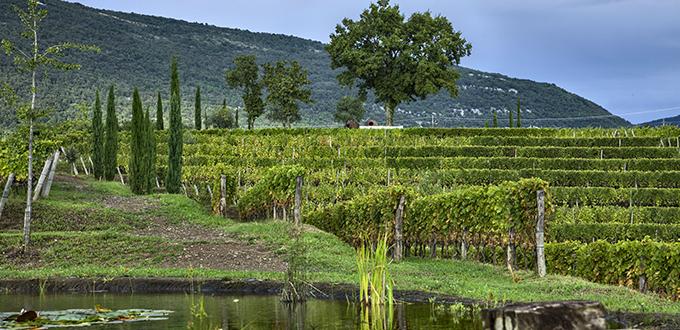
x,y
5,193
28,214
43,175
389,114
50,178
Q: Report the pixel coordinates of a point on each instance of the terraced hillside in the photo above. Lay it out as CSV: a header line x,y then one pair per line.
x,y
613,196
616,193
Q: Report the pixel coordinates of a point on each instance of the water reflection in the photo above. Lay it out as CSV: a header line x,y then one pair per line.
x,y
254,312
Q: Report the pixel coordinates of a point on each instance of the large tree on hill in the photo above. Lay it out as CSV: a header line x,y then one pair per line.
x,y
399,60
97,139
173,181
285,90
245,76
36,61
197,109
159,113
111,142
138,147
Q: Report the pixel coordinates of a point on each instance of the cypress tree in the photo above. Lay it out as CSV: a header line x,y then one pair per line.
x,y
519,115
136,167
235,117
510,123
97,139
486,124
173,181
159,113
495,119
197,109
111,143
150,154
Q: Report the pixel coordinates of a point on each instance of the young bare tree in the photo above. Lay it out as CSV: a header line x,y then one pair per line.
x,y
34,61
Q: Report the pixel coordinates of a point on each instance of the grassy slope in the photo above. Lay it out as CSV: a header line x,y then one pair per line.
x,y
103,246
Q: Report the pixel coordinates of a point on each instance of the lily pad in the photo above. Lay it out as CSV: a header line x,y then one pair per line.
x,y
80,318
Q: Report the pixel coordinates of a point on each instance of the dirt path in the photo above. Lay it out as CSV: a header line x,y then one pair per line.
x,y
210,248
200,246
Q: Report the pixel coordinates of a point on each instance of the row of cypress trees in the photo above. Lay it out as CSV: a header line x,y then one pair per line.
x,y
142,164
105,139
511,122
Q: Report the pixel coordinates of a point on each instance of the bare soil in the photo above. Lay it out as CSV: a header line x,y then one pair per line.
x,y
202,247
210,248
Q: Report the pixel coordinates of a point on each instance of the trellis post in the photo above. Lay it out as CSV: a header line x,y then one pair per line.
x,y
540,234
298,201
398,226
223,195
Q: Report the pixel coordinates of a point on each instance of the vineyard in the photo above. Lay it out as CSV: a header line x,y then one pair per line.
x,y
612,196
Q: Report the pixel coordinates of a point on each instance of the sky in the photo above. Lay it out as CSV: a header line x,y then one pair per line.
x,y
622,54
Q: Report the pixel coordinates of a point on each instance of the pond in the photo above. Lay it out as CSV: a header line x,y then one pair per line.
x,y
244,312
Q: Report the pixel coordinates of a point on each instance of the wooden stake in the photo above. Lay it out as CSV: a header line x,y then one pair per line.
x,y
87,172
120,175
223,195
540,234
298,201
463,246
43,175
5,193
398,227
50,178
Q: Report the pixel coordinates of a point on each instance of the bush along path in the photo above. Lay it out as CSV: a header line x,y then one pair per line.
x,y
91,229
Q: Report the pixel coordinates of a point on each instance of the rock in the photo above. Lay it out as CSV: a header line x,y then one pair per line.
x,y
564,315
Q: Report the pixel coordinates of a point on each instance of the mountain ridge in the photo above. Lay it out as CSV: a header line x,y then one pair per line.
x,y
136,51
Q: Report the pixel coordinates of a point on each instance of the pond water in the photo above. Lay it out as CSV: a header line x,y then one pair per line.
x,y
244,312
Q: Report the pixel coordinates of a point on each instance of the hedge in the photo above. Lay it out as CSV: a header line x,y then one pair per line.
x,y
619,263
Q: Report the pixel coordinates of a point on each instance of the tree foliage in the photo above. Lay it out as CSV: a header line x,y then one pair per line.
x,y
245,76
150,154
350,108
173,181
286,88
197,109
97,139
519,114
399,60
111,143
222,118
138,147
159,113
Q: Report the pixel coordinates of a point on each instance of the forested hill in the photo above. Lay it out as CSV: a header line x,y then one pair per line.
x,y
136,52
664,121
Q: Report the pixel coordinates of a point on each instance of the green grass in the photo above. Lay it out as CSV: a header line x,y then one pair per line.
x,y
115,252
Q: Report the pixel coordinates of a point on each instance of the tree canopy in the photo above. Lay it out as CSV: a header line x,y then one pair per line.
x,y
399,60
245,76
286,88
350,108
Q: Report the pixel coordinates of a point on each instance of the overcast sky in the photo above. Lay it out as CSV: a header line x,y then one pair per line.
x,y
621,54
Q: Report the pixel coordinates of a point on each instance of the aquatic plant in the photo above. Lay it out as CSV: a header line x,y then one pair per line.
x,y
77,317
375,286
